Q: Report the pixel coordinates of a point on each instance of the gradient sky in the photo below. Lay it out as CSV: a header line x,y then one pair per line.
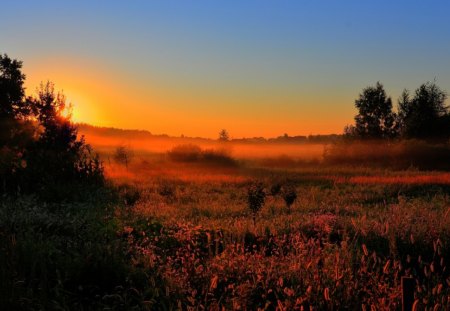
x,y
256,68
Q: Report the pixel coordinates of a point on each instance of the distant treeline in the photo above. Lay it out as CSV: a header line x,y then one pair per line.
x,y
88,129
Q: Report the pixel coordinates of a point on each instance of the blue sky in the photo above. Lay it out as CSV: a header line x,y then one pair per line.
x,y
255,67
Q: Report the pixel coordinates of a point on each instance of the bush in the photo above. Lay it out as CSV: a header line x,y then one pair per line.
x,y
256,198
193,153
218,157
289,195
185,153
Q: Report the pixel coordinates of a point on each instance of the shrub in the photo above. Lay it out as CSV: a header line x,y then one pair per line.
x,y
218,157
275,189
256,198
193,153
289,195
129,194
185,153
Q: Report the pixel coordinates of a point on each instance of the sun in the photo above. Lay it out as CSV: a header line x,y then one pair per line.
x,y
80,107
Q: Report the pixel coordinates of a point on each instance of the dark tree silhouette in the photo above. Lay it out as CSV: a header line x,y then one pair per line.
x,y
350,131
425,115
16,129
12,93
39,147
59,134
375,119
58,154
123,155
223,135
14,108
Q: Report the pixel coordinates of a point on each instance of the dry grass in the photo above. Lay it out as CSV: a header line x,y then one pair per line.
x,y
345,242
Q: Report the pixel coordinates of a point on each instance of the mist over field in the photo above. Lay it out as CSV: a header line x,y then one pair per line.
x,y
144,142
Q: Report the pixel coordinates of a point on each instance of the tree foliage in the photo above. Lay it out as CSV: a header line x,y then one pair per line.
x,y
375,119
223,135
39,146
424,115
123,155
12,104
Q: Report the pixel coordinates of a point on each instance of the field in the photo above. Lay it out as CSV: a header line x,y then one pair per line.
x,y
193,228
345,242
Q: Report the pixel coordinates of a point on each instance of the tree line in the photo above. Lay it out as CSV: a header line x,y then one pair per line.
x,y
420,115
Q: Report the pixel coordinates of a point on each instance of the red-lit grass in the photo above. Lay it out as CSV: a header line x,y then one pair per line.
x,y
438,179
347,240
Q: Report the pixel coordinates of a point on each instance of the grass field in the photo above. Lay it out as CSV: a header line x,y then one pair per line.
x,y
171,232
345,243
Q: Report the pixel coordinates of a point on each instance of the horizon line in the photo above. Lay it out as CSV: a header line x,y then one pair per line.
x,y
201,137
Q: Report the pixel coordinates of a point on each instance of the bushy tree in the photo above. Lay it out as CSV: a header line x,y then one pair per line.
x,y
39,146
375,119
223,135
123,155
350,132
17,131
14,108
424,115
58,154
12,93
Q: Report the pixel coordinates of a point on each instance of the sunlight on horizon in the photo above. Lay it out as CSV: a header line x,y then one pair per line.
x,y
92,86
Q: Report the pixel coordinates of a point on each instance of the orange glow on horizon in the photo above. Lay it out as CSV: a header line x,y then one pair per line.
x,y
102,96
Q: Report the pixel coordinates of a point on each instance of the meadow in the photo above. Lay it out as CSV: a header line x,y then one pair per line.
x,y
350,235
174,229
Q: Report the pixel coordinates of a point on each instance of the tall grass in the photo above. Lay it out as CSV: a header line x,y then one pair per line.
x,y
341,245
69,256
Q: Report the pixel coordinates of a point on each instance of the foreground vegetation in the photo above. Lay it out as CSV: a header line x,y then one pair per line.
x,y
344,243
185,238
69,256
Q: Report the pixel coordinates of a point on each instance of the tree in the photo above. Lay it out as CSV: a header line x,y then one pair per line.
x,y
58,154
39,147
16,129
123,155
12,92
425,115
350,131
14,108
59,133
223,135
375,119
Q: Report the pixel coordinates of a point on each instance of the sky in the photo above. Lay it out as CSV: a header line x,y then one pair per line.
x,y
255,68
